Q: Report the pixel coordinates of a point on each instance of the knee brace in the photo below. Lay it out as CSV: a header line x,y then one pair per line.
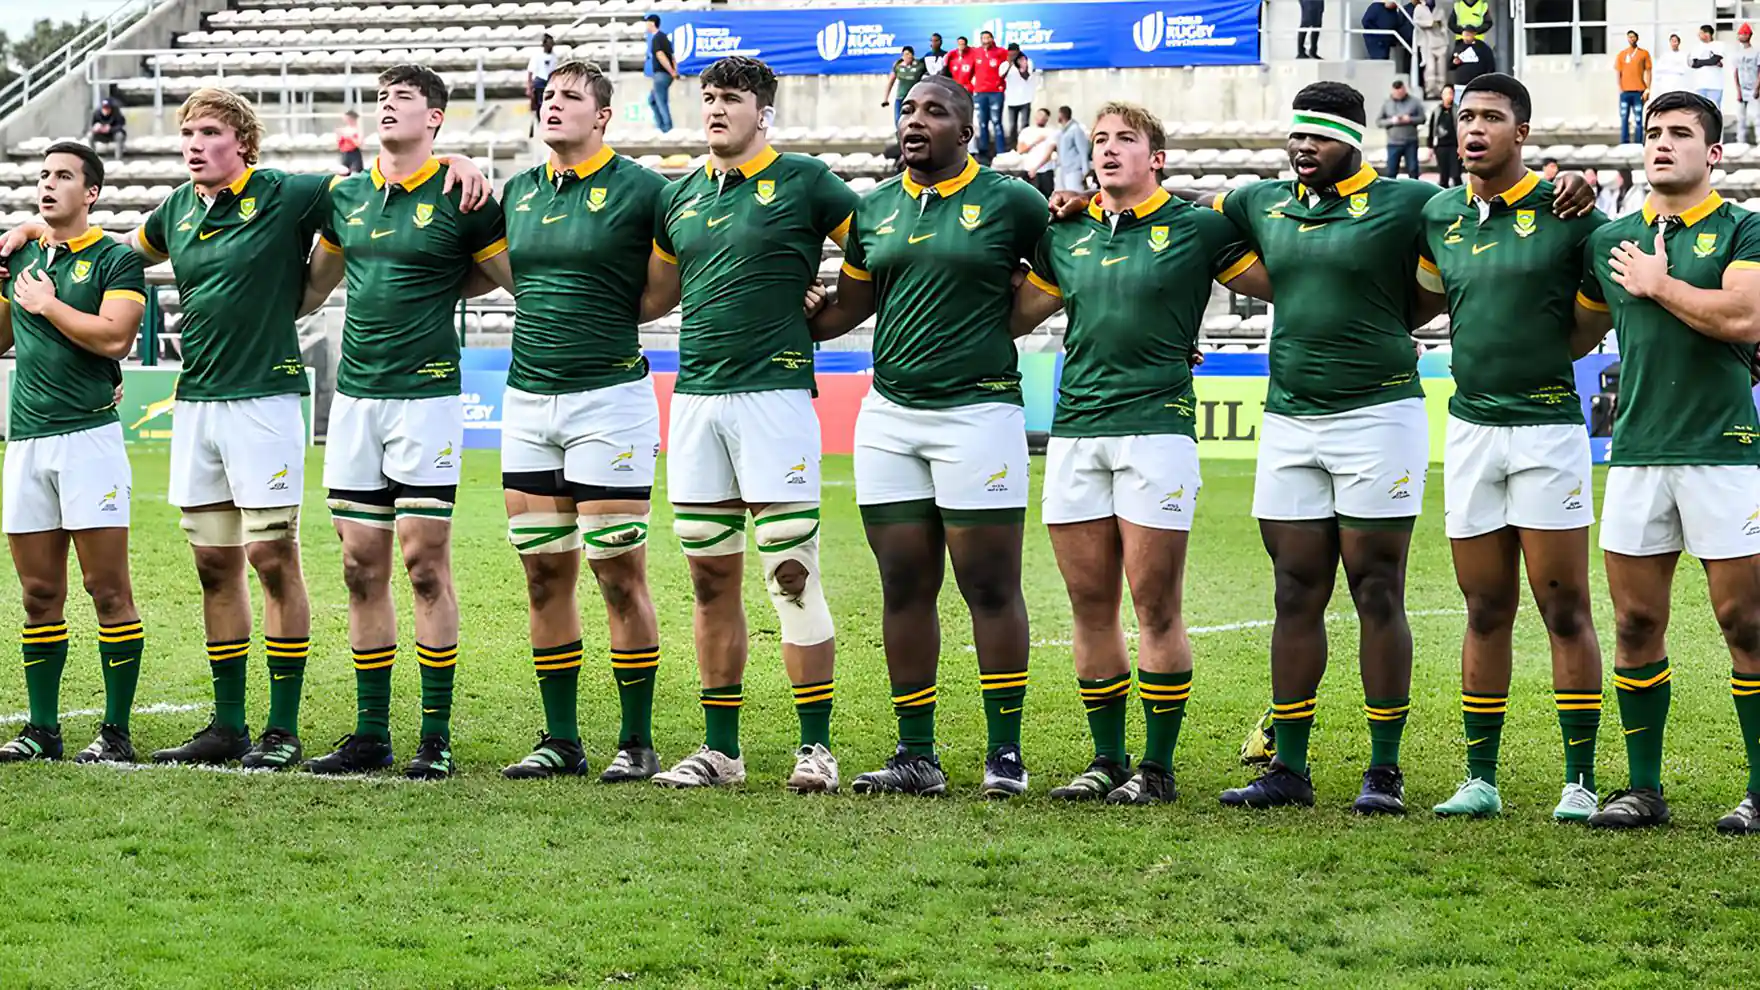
x,y
613,534
789,532
424,507
269,525
543,532
711,533
362,513
220,528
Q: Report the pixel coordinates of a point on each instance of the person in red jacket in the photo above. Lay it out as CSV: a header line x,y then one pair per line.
x,y
962,62
987,95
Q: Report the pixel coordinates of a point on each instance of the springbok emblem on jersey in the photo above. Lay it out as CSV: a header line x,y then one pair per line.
x,y
1359,205
82,270
766,193
1453,234
424,214
1704,245
247,208
596,198
1158,239
1525,223
968,216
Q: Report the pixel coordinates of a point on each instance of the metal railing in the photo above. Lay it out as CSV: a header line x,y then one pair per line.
x,y
63,60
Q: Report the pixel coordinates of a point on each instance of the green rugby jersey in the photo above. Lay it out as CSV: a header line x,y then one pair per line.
x,y
1135,284
1513,274
747,244
943,261
1343,263
578,243
406,249
58,386
1683,397
240,263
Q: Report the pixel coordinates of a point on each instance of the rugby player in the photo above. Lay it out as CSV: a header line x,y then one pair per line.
x,y
397,424
740,240
1517,477
581,424
941,443
238,441
71,302
1121,476
1682,277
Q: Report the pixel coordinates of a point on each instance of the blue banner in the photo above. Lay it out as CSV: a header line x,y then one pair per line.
x,y
855,40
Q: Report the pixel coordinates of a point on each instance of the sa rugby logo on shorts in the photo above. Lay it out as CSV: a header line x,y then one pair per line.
x,y
1752,526
1359,205
107,501
1158,239
424,215
797,475
766,193
968,216
1170,501
444,458
596,198
82,270
1400,488
1525,225
247,208
278,480
1573,500
622,461
997,482
1704,245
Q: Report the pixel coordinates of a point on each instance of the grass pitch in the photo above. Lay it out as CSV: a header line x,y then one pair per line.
x,y
171,877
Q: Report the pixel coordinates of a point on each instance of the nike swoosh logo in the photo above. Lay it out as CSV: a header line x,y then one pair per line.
x,y
33,663
1475,742
1109,262
280,677
1007,711
121,663
1304,228
1579,742
204,235
715,221
1633,732
913,239
628,683
382,233
554,219
1482,248
429,711
1163,711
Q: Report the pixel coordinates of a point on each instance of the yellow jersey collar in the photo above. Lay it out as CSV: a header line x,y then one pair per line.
x,y
946,187
1355,184
758,163
1706,207
414,182
598,161
1516,193
92,236
1097,207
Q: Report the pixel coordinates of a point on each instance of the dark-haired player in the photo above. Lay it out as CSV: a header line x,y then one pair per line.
x,y
740,241
72,304
941,444
1121,471
1682,277
1516,470
397,425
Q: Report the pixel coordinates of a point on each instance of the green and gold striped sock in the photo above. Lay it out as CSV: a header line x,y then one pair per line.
x,y
914,706
721,707
1164,709
287,678
372,691
559,677
45,656
1105,700
438,665
228,661
119,653
1005,695
1579,720
635,671
1292,721
1482,716
812,705
1643,713
1745,689
1387,723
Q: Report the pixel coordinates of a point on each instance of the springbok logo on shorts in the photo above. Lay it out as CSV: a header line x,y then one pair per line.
x,y
1170,501
444,458
107,501
1359,205
1401,488
1751,527
624,461
997,482
278,480
424,214
1574,499
797,475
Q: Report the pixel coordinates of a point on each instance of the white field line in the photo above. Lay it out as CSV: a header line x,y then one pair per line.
x,y
1225,627
157,708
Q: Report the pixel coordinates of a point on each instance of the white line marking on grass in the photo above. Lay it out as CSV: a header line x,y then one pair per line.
x,y
1423,613
156,708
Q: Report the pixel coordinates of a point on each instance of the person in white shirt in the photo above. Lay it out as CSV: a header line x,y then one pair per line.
x,y
1708,67
1037,145
1672,72
538,69
1020,83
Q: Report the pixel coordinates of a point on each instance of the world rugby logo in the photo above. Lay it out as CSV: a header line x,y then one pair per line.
x,y
994,26
1149,32
684,41
833,38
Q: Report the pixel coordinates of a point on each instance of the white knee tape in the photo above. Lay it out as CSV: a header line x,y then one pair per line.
x,y
710,533
543,532
361,513
438,510
269,525
220,528
789,531
613,534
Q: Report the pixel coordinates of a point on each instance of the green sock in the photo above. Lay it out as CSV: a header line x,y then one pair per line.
x,y
1643,712
1292,720
119,653
1105,700
1387,722
914,705
45,656
1164,709
438,664
812,704
721,718
1482,717
635,672
227,662
372,691
1005,694
1746,690
287,679
1579,719
559,678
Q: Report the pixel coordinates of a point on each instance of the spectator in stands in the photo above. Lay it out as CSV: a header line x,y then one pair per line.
x,y
961,63
1381,26
1549,169
662,67
1072,151
1618,196
1308,37
1038,148
1474,14
1707,66
1747,84
1632,65
348,143
1672,72
1400,114
987,95
538,69
1472,58
936,60
1444,142
109,126
1430,38
1019,86
906,72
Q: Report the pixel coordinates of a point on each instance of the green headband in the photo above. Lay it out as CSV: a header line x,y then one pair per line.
x,y
1328,126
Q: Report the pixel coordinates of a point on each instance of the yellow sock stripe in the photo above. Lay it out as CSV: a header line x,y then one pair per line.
x,y
428,661
1384,718
1004,685
47,627
625,655
51,633
1294,715
219,655
923,697
554,655
1737,680
1629,684
1119,690
1484,704
1743,687
1165,694
548,665
374,659
121,627
800,689
1001,675
127,637
1289,705
724,701
287,653
808,699
634,665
